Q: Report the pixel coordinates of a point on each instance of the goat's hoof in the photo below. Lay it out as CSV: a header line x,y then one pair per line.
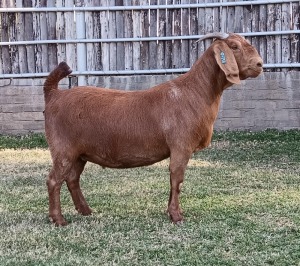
x,y
180,211
63,223
179,223
177,220
58,221
176,217
85,211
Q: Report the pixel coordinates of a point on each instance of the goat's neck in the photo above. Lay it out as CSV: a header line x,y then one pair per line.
x,y
204,85
207,77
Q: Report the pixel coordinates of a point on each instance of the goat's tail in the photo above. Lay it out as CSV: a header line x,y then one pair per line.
x,y
51,83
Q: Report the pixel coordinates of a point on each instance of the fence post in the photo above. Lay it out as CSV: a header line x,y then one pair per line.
x,y
81,47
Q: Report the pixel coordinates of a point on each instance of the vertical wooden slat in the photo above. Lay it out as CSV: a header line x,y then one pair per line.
x,y
209,23
295,46
168,44
6,62
176,58
97,34
144,49
51,25
120,34
37,36
153,33
161,30
238,19
136,26
44,36
1,17
14,56
263,16
278,47
216,16
90,33
270,50
128,33
255,26
193,31
104,20
248,17
286,25
112,33
60,32
70,33
230,18
28,36
223,18
201,28
93,50
184,53
1,63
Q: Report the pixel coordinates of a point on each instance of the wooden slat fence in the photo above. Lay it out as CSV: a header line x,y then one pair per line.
x,y
140,23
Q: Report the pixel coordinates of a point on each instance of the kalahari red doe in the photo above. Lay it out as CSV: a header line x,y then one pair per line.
x,y
121,129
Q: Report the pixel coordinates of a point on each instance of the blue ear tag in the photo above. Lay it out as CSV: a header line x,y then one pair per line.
x,y
223,57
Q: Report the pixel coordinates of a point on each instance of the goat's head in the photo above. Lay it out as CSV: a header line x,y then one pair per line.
x,y
236,56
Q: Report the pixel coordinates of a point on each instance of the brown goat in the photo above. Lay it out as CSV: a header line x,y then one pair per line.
x,y
121,129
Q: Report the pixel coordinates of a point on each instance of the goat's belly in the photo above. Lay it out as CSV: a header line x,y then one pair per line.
x,y
125,161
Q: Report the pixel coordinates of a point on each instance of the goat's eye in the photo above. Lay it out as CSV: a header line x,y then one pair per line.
x,y
234,47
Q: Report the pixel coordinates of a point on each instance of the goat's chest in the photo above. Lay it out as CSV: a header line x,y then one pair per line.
x,y
204,138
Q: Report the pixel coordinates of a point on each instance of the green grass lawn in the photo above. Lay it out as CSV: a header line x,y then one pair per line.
x,y
240,199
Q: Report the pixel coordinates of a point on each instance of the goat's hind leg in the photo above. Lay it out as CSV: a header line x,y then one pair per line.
x,y
65,170
73,184
54,183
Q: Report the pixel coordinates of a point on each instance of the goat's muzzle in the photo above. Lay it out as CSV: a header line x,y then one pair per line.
x,y
253,69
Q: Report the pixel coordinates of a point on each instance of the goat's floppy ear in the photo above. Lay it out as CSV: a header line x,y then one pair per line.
x,y
226,61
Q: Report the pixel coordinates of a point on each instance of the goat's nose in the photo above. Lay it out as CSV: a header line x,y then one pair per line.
x,y
259,63
256,62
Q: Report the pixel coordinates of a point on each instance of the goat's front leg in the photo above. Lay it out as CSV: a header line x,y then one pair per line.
x,y
178,163
54,187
